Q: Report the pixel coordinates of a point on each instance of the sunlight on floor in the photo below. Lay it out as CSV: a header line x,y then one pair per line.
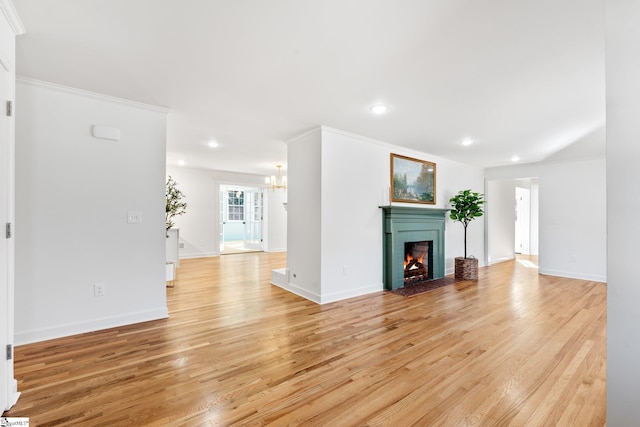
x,y
236,247
527,263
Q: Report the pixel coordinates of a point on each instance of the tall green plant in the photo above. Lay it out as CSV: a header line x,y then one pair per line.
x,y
175,205
467,206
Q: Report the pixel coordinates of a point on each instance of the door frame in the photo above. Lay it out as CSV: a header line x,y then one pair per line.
x,y
9,20
220,186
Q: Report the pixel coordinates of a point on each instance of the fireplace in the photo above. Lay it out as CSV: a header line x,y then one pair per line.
x,y
417,259
415,230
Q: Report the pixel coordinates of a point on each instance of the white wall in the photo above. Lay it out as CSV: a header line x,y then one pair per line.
x,y
623,176
572,215
573,233
500,220
73,193
199,225
346,177
304,237
535,217
275,227
355,182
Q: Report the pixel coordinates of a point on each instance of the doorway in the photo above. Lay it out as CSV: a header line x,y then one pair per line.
x,y
523,221
512,219
241,219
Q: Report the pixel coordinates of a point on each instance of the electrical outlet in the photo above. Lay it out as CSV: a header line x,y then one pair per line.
x,y
99,290
134,217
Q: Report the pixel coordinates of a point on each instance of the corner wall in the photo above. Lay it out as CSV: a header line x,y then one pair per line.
x,y
304,224
73,195
499,210
623,175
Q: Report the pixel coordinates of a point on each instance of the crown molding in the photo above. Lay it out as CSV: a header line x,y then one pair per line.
x,y
356,136
94,95
10,12
317,129
389,146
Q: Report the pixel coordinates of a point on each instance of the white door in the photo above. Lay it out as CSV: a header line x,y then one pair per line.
x,y
253,220
6,244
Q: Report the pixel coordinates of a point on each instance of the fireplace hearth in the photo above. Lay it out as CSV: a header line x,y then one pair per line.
x,y
413,250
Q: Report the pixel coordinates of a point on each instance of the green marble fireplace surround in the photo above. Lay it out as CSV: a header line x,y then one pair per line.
x,y
403,224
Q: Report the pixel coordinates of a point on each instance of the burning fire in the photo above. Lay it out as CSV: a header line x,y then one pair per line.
x,y
414,265
416,254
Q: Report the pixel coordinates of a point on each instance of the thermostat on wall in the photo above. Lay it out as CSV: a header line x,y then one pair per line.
x,y
106,132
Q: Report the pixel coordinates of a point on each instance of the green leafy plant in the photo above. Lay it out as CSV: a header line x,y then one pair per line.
x,y
175,205
467,206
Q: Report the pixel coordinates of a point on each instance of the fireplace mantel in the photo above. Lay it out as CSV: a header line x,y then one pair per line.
x,y
408,224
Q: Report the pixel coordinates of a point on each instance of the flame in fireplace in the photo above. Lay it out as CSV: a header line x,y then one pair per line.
x,y
416,253
408,258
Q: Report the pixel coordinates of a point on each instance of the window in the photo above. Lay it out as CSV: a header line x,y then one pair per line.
x,y
235,202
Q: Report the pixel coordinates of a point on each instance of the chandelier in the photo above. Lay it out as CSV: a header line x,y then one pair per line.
x,y
279,182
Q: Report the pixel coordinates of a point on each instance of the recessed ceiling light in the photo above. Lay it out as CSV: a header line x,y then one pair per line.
x,y
378,109
181,163
466,142
515,158
212,144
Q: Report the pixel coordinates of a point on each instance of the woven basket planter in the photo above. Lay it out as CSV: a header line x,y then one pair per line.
x,y
466,268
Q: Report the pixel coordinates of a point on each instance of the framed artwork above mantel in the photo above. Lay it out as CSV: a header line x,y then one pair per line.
x,y
412,180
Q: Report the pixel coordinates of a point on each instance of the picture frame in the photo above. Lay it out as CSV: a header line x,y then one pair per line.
x,y
412,180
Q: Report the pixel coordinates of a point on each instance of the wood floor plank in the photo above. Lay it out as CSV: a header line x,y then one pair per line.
x,y
514,348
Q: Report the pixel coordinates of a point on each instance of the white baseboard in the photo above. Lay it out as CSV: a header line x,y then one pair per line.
x,y
280,277
352,293
199,255
212,254
37,335
323,299
299,291
13,396
498,260
573,275
276,250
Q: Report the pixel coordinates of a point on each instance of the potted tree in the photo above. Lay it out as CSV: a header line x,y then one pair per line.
x,y
466,206
175,205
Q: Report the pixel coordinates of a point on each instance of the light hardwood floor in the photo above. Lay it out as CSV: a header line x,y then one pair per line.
x,y
516,348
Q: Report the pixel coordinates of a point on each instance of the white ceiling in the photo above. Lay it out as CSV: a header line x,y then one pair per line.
x,y
520,78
